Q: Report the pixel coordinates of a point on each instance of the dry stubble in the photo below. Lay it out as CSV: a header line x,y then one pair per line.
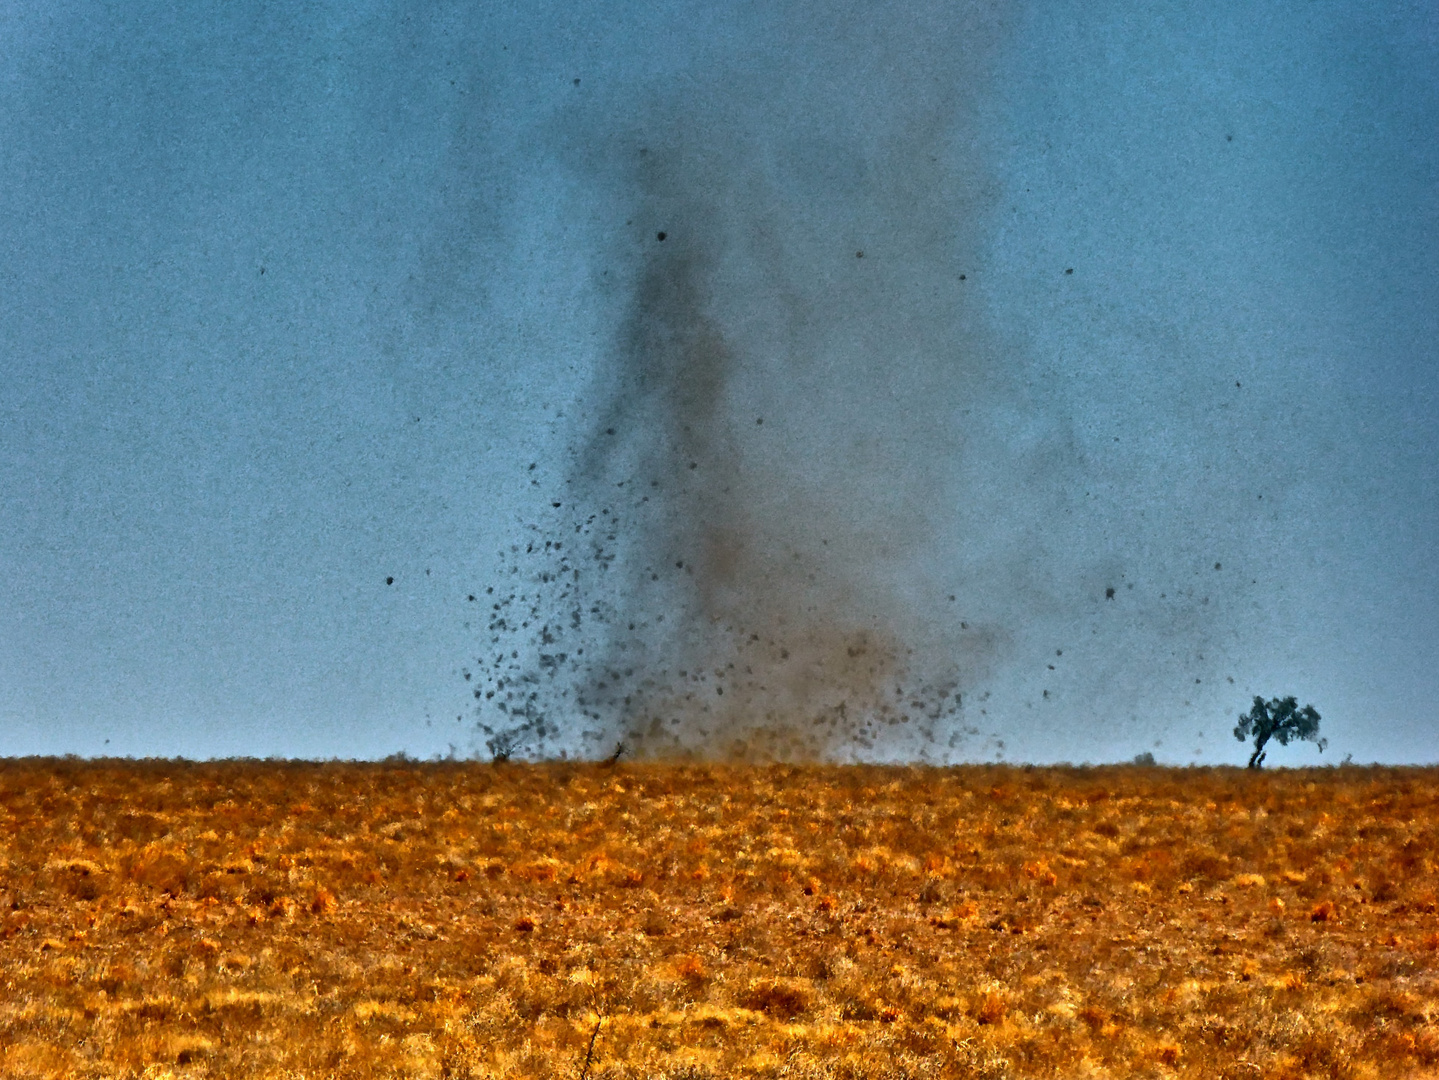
x,y
458,920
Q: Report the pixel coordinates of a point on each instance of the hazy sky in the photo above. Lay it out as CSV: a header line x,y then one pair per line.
x,y
1033,303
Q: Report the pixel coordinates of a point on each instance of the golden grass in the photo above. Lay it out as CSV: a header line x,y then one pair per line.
x,y
238,920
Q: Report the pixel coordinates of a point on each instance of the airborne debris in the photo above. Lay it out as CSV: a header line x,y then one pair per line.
x,y
568,646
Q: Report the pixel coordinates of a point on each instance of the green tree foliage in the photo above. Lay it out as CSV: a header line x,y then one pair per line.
x,y
1281,719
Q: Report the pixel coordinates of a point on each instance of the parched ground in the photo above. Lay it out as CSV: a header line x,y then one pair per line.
x,y
245,919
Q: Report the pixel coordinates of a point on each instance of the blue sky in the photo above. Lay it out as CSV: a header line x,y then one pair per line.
x,y
291,299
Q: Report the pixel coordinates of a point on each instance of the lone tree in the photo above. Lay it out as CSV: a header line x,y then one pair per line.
x,y
1281,719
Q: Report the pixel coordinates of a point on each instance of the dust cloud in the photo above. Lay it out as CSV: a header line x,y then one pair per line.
x,y
733,563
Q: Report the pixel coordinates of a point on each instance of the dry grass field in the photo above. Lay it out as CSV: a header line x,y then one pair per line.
x,y
233,920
